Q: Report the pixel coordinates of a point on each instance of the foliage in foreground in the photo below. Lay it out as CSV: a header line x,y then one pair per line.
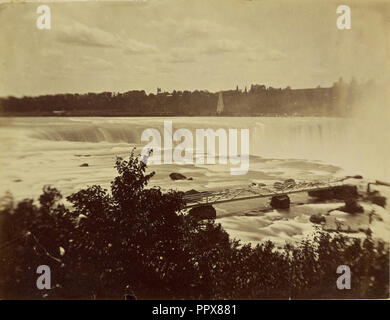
x,y
138,236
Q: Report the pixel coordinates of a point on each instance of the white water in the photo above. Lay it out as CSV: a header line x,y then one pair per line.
x,y
38,151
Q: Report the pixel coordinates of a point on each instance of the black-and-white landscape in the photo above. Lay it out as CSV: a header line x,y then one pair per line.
x,y
200,209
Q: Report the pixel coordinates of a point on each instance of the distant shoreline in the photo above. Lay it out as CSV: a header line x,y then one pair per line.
x,y
161,116
340,100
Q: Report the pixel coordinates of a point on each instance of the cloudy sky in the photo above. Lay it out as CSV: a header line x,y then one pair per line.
x,y
190,44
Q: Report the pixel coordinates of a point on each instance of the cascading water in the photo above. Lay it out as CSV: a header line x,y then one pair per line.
x,y
89,134
39,151
348,143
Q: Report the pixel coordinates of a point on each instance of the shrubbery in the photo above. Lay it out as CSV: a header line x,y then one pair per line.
x,y
138,236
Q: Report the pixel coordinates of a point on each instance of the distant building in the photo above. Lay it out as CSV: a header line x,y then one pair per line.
x,y
255,88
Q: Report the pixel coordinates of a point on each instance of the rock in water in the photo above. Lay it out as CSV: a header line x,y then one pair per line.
x,y
351,206
339,192
280,202
203,211
379,200
345,192
193,195
84,165
317,218
254,184
326,194
191,192
278,185
289,183
177,176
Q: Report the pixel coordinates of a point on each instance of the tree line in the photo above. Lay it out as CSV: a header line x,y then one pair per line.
x,y
258,100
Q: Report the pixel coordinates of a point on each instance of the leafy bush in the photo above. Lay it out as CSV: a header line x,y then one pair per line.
x,y
139,237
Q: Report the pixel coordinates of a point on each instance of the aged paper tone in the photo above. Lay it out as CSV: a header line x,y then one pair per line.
x,y
171,149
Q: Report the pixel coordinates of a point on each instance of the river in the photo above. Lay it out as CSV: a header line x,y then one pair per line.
x,y
50,150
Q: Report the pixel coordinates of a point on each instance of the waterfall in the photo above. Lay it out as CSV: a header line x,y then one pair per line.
x,y
352,144
111,134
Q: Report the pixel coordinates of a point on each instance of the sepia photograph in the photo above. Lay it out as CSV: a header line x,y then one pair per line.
x,y
194,150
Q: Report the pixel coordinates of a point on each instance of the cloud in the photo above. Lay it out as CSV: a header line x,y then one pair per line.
x,y
225,45
196,29
78,34
274,55
96,63
132,46
190,29
75,33
182,55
